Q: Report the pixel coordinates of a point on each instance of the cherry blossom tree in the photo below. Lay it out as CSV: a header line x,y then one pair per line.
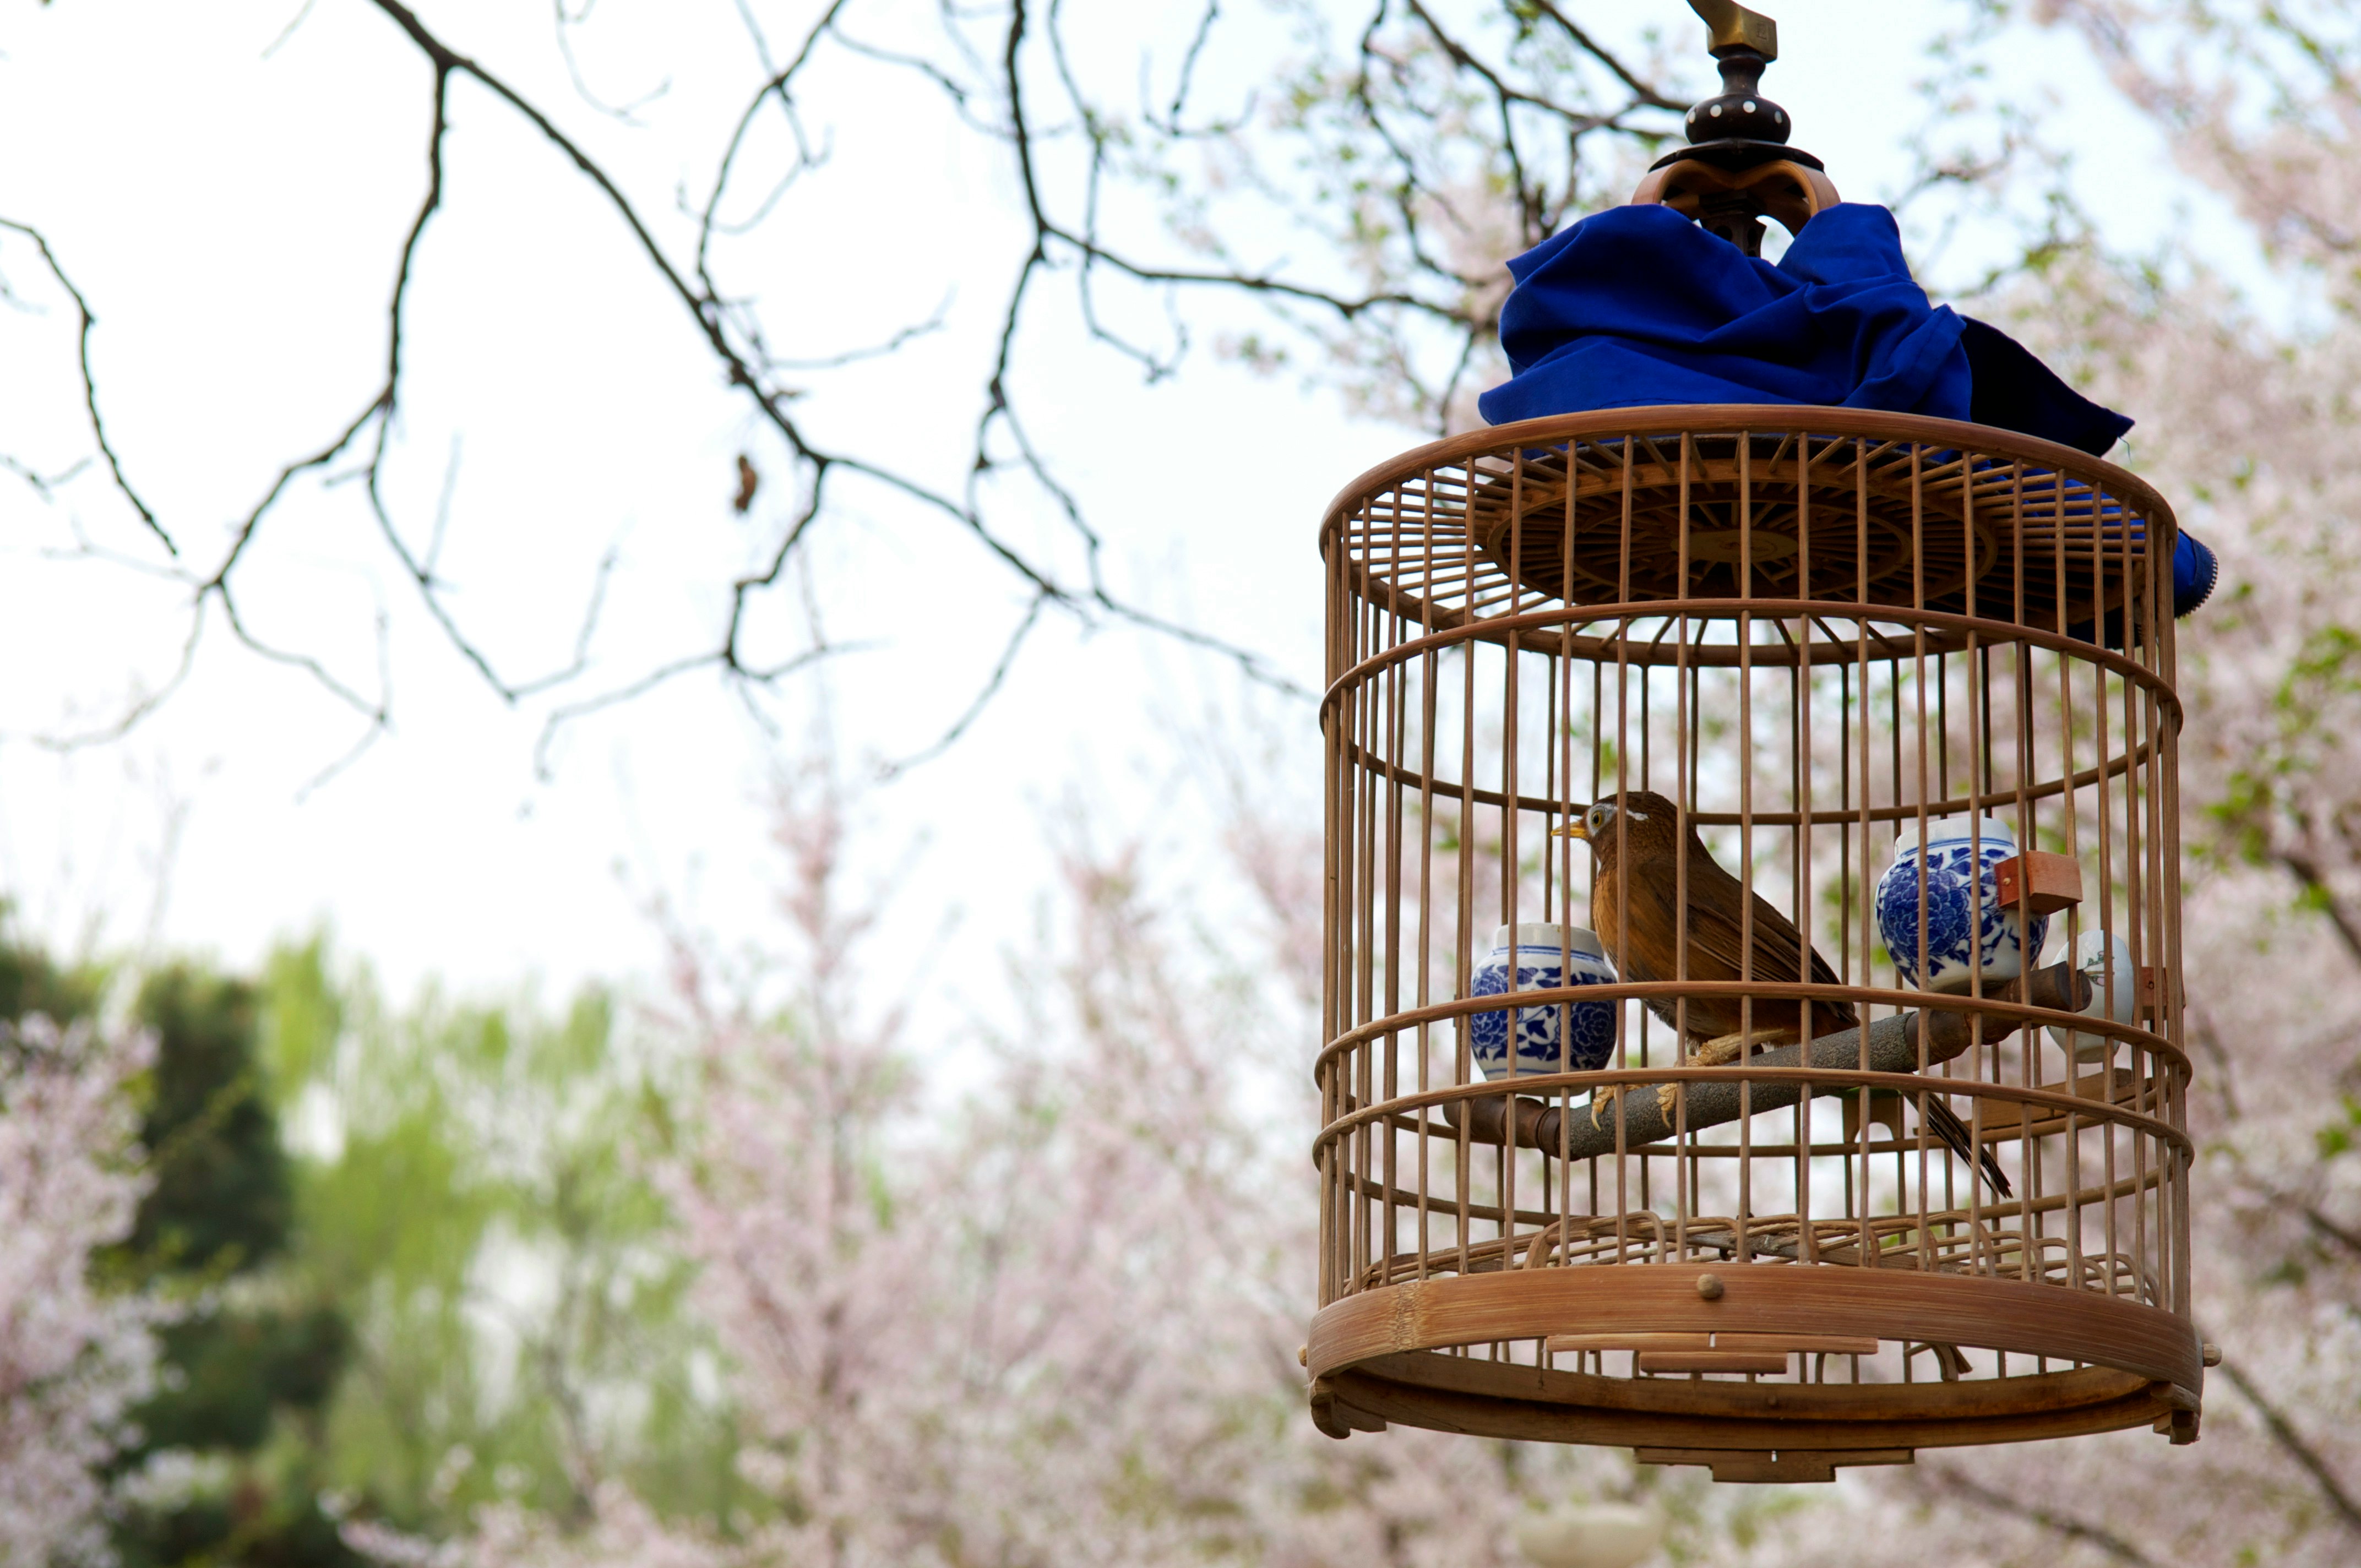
x,y
1052,1314
75,1354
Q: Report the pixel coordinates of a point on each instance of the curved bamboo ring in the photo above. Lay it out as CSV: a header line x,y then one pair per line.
x,y
1741,419
1498,628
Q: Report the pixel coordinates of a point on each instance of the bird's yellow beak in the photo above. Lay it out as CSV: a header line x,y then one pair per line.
x,y
1574,829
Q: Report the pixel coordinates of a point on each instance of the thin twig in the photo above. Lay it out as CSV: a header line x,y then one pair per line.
x,y
626,113
2283,1433
2306,871
1954,1480
89,323
951,737
2343,1235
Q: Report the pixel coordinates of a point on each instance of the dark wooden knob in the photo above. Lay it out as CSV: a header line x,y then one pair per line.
x,y
1740,111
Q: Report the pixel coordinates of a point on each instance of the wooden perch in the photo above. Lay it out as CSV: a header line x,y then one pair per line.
x,y
1893,1046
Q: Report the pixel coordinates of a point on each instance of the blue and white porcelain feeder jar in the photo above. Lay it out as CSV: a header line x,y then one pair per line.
x,y
2113,996
1967,931
1543,957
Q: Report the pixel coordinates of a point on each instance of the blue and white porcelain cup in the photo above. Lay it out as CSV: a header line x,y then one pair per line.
x,y
1967,931
2117,1001
1543,957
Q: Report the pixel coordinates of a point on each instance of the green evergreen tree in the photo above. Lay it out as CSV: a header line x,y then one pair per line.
x,y
222,1200
30,982
248,1371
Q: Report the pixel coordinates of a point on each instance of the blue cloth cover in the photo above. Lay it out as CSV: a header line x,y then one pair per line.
x,y
1637,305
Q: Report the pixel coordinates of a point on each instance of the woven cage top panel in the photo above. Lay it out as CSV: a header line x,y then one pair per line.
x,y
1717,504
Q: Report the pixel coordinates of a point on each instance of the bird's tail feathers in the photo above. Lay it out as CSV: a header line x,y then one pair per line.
x,y
1946,1125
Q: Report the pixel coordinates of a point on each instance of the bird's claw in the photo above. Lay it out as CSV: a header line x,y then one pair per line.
x,y
1724,1049
1667,1096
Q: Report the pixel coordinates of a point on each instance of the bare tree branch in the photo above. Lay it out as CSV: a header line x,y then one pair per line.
x,y
983,698
2306,871
2283,1433
1172,116
707,311
2225,1077
302,14
1426,289
44,485
1959,1483
1642,93
2327,1229
561,717
90,382
566,22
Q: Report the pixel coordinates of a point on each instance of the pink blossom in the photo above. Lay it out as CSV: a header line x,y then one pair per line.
x,y
74,1356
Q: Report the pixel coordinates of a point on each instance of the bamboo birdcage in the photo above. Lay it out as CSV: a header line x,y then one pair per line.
x,y
1812,628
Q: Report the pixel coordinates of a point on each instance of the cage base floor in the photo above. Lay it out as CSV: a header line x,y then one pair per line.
x,y
1744,1432
1424,1354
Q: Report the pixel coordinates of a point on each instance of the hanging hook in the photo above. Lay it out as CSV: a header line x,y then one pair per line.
x,y
1735,26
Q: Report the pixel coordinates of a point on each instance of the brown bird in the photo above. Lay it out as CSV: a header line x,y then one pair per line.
x,y
1634,894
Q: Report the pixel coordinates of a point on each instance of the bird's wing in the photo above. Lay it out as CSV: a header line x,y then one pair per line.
x,y
1839,1013
1649,895
1715,938
1646,907
1821,973
1714,931
1778,946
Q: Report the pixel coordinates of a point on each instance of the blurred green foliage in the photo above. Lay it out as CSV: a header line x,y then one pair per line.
x,y
419,1263
471,1193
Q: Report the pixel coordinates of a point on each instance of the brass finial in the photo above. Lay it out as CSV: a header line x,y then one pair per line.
x,y
1735,26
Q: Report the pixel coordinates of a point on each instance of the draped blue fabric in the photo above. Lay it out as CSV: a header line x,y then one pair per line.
x,y
1638,305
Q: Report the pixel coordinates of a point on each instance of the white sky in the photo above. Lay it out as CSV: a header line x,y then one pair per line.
x,y
234,221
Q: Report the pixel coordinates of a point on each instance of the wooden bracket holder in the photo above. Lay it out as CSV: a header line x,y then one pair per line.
x,y
1780,1465
2039,881
1336,1417
1789,193
1717,1351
